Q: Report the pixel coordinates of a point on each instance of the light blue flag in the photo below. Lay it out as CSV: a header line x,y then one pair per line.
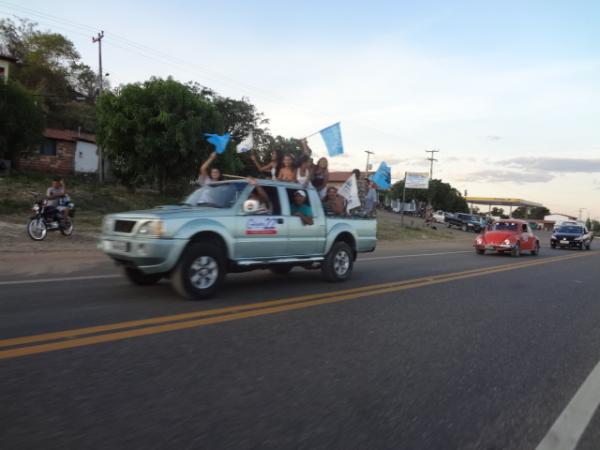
x,y
220,142
383,176
333,139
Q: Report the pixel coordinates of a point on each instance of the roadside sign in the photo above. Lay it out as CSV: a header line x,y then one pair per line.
x,y
416,180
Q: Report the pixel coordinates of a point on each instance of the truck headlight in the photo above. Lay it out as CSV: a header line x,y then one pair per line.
x,y
108,224
151,228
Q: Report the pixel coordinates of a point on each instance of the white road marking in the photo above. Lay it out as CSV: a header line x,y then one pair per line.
x,y
55,280
572,422
101,277
378,258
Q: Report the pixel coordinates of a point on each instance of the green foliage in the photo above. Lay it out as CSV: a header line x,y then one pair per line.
x,y
498,212
153,132
50,67
442,195
21,122
536,213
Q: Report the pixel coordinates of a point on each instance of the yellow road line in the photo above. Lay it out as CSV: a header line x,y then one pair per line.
x,y
69,334
332,298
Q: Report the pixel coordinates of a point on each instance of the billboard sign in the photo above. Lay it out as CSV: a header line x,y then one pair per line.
x,y
416,180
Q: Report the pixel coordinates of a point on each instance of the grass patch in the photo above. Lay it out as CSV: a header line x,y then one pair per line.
x,y
391,230
92,199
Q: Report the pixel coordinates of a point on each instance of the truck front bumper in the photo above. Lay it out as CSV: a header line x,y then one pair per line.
x,y
148,255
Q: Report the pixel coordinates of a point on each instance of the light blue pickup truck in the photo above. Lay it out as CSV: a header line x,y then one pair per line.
x,y
219,229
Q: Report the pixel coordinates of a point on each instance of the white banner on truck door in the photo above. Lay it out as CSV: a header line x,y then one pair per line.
x,y
417,180
349,191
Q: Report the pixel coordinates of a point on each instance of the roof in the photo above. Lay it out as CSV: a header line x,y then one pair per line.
x,y
340,177
501,201
8,58
68,135
568,216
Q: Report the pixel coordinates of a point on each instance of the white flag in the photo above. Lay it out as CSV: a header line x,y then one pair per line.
x,y
246,145
349,191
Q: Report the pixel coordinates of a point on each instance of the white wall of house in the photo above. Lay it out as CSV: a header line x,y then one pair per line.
x,y
4,68
86,157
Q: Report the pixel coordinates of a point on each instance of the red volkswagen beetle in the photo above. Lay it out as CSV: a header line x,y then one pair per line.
x,y
510,235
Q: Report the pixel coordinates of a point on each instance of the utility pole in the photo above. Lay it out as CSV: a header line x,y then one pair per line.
x,y
431,159
580,211
98,39
367,169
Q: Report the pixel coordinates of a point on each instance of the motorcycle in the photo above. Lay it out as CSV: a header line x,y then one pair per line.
x,y
48,218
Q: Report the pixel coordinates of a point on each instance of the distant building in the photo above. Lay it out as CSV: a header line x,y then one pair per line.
x,y
5,62
62,152
337,179
558,217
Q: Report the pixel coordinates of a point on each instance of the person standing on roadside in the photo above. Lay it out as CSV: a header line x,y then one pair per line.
x,y
371,199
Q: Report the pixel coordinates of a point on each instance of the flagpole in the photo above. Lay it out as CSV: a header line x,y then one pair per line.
x,y
403,201
311,135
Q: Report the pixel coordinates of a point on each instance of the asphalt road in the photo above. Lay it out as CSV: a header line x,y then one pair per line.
x,y
426,346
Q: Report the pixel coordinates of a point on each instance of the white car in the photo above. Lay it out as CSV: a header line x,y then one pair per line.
x,y
439,216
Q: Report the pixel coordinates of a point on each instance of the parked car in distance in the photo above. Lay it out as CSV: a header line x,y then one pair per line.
x,y
508,236
572,236
466,222
222,228
439,216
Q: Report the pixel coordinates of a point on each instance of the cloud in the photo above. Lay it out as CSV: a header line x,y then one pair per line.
x,y
492,137
506,176
557,165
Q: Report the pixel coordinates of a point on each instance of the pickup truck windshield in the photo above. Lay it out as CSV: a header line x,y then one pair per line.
x,y
216,195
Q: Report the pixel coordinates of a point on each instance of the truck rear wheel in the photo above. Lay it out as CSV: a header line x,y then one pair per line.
x,y
338,263
200,271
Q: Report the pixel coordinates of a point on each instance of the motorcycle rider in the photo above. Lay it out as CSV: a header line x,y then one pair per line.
x,y
54,194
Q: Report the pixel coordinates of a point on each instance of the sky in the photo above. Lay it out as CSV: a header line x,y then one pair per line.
x,y
508,92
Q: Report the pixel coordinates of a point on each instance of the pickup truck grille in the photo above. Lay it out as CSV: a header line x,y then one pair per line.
x,y
124,226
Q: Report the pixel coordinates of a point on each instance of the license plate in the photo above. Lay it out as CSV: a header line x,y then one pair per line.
x,y
117,246
564,242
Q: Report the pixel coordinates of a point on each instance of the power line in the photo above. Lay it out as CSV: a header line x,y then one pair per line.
x,y
143,50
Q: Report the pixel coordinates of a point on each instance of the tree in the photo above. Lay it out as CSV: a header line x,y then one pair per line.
x,y
21,121
537,212
153,132
443,196
497,212
51,68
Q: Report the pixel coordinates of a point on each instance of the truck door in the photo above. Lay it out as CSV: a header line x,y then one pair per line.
x,y
305,240
261,235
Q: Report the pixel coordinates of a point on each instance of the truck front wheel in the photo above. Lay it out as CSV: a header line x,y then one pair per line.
x,y
338,263
199,272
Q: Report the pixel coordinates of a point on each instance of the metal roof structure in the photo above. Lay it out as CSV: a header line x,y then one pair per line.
x,y
499,201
